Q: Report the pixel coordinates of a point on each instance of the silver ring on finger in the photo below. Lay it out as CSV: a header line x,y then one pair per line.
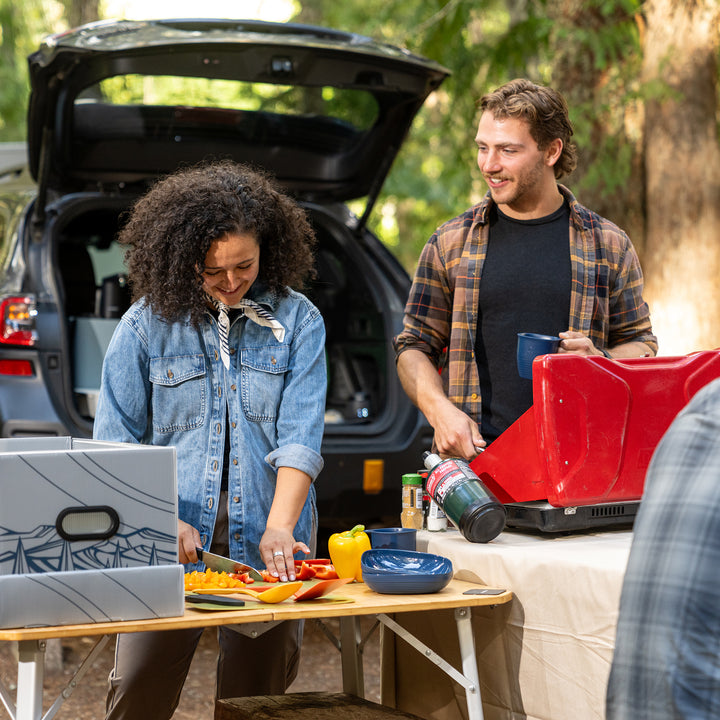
x,y
277,553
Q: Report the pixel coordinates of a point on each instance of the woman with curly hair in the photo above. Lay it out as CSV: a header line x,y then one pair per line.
x,y
220,358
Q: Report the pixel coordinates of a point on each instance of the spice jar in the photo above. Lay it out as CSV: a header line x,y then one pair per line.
x,y
412,497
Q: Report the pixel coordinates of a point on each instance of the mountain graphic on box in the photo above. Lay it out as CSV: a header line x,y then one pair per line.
x,y
42,550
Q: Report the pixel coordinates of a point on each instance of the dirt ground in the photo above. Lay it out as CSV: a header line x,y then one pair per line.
x,y
319,670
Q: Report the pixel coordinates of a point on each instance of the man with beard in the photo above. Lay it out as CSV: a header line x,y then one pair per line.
x,y
527,258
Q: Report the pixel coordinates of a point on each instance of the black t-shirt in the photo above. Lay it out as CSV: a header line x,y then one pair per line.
x,y
525,287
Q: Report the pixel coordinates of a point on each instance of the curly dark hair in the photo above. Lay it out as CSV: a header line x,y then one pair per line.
x,y
170,230
543,109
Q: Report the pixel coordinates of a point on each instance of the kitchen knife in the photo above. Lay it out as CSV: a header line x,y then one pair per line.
x,y
215,599
224,564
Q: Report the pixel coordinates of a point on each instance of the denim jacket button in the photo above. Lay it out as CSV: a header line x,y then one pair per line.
x,y
236,499
170,374
273,361
233,387
210,504
215,465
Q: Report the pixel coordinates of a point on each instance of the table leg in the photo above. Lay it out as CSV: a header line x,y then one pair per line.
x,y
466,641
84,666
31,672
7,700
352,667
468,678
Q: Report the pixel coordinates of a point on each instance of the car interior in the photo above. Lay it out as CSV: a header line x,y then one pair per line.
x,y
96,294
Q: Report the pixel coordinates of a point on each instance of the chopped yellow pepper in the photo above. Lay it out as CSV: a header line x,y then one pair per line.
x,y
346,548
196,580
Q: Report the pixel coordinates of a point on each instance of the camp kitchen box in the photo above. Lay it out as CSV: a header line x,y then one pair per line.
x,y
88,532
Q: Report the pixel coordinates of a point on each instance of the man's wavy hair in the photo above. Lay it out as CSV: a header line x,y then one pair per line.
x,y
543,109
171,228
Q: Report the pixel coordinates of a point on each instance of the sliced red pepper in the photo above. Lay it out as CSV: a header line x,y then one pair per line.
x,y
314,561
304,572
326,572
267,577
242,577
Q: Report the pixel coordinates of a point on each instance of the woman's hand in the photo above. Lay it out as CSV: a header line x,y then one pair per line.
x,y
277,549
278,544
188,540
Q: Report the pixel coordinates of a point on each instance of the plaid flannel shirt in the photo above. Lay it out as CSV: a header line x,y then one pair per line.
x,y
666,664
441,314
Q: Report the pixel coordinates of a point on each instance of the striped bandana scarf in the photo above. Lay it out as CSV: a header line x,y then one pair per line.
x,y
253,312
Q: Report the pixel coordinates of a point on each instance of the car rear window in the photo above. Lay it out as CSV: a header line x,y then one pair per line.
x,y
164,107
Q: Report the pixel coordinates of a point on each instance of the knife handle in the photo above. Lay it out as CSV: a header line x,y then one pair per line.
x,y
215,599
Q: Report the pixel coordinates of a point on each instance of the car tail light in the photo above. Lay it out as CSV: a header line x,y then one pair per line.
x,y
17,315
16,367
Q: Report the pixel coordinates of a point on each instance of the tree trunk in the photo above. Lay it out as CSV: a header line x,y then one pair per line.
x,y
81,12
682,160
591,85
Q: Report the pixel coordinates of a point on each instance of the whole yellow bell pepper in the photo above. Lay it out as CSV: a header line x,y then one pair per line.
x,y
345,550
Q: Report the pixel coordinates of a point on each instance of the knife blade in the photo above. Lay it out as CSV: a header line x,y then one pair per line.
x,y
224,564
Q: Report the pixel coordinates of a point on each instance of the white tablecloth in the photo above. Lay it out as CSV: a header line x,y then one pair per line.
x,y
546,655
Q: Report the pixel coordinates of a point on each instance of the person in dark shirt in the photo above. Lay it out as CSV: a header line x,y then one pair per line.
x,y
528,258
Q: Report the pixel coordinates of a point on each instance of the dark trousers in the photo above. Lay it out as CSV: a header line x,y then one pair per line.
x,y
150,668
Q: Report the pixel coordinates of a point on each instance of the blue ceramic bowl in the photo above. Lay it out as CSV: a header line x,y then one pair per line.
x,y
394,538
405,572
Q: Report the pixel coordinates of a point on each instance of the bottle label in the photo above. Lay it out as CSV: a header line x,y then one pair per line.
x,y
445,477
436,518
407,497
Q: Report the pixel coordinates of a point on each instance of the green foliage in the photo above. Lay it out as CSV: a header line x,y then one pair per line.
x,y
435,176
22,27
589,50
13,71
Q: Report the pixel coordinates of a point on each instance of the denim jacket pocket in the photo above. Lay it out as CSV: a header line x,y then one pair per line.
x,y
178,392
262,378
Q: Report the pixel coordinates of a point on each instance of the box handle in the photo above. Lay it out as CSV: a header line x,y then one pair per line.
x,y
94,522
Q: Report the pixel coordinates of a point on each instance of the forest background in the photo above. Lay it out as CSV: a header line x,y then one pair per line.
x,y
641,81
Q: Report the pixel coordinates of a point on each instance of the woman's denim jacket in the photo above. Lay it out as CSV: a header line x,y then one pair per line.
x,y
165,384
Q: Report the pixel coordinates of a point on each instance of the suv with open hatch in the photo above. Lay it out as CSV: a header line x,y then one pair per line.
x,y
115,105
